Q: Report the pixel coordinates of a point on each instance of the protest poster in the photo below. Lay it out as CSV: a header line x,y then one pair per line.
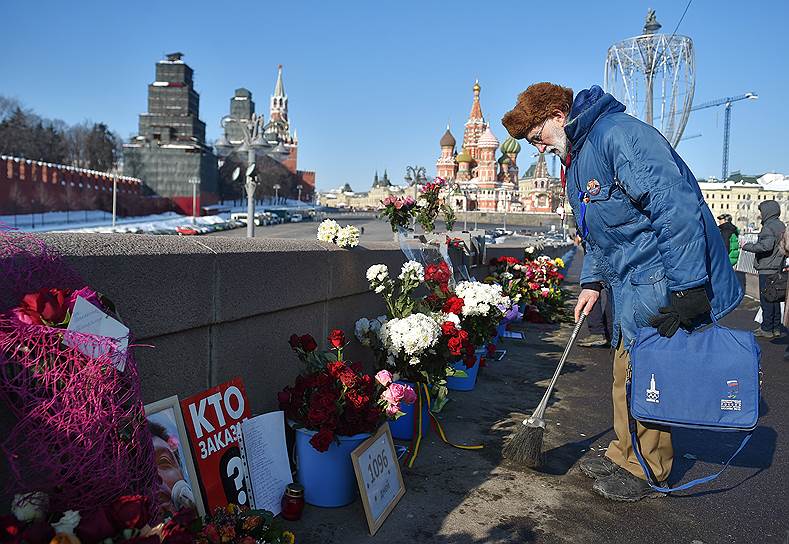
x,y
213,421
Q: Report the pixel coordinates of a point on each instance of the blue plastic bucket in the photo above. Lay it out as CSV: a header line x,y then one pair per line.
x,y
328,477
403,427
470,381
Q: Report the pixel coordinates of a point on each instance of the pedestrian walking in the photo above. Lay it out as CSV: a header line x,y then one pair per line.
x,y
769,263
731,237
650,237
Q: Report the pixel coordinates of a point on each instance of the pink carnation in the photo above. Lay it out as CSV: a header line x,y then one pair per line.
x,y
384,377
392,410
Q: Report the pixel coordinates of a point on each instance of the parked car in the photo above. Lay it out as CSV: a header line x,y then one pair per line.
x,y
186,230
296,218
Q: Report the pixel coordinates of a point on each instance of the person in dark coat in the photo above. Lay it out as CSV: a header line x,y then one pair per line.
x,y
731,237
769,261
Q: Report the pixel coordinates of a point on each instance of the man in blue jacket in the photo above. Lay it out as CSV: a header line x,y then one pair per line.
x,y
652,240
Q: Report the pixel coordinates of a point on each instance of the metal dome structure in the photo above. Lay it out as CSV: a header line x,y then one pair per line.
x,y
654,75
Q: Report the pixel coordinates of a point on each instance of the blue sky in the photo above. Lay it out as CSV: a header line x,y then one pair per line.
x,y
372,85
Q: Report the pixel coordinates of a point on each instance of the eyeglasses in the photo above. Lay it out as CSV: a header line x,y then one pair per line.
x,y
537,138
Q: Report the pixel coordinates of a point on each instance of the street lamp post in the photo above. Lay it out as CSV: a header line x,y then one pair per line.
x,y
415,175
276,188
252,130
194,182
300,187
114,198
505,210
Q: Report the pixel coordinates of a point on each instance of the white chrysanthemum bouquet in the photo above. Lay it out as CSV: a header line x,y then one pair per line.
x,y
330,231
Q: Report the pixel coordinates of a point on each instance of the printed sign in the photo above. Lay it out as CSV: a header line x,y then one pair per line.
x,y
213,421
378,475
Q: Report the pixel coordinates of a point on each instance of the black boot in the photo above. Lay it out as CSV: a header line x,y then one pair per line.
x,y
598,467
624,486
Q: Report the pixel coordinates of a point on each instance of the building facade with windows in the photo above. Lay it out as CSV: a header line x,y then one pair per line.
x,y
740,197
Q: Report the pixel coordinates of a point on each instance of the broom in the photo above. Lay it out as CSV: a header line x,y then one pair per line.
x,y
525,446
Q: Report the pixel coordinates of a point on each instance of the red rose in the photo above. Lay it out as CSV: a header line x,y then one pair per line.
x,y
481,362
356,399
283,398
335,368
453,305
45,305
347,377
357,367
322,440
38,532
337,338
130,512
491,349
295,341
455,345
308,343
94,527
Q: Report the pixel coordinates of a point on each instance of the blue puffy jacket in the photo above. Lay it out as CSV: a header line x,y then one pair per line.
x,y
647,227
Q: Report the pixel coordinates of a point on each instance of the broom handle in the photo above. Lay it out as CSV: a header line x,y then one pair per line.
x,y
540,411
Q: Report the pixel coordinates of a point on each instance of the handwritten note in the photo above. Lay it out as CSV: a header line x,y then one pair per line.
x,y
266,457
88,319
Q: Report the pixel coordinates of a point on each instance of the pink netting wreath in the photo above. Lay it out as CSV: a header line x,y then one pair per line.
x,y
80,433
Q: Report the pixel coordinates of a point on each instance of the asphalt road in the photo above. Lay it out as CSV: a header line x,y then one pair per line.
x,y
375,230
474,497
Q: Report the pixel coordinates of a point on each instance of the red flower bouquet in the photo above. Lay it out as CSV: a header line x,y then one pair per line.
x,y
340,400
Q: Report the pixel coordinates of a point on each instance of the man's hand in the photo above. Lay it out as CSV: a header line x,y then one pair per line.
x,y
686,306
586,301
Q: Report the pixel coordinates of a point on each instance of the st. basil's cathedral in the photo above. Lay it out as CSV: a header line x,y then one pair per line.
x,y
485,183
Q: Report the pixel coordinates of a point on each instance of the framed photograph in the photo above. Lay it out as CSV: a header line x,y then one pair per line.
x,y
179,487
378,476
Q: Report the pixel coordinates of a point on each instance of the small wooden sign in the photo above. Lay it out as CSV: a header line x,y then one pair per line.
x,y
378,475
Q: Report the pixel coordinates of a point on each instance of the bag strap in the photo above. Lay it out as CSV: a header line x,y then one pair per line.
x,y
648,471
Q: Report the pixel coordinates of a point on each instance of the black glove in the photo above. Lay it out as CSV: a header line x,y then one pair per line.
x,y
685,307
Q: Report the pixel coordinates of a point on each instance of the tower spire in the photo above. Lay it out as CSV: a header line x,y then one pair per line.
x,y
279,89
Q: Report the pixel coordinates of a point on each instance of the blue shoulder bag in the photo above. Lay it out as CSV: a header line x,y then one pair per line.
x,y
706,379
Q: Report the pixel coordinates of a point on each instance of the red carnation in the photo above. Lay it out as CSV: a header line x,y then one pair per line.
x,y
455,345
448,328
337,338
453,305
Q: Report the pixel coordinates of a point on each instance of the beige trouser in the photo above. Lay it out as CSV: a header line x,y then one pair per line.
x,y
654,442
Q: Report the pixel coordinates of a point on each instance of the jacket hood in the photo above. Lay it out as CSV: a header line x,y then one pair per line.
x,y
589,106
769,210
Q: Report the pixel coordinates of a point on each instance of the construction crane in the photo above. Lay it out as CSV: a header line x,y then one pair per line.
x,y
728,101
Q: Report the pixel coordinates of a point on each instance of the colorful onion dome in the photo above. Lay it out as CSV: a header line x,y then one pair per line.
x,y
511,145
